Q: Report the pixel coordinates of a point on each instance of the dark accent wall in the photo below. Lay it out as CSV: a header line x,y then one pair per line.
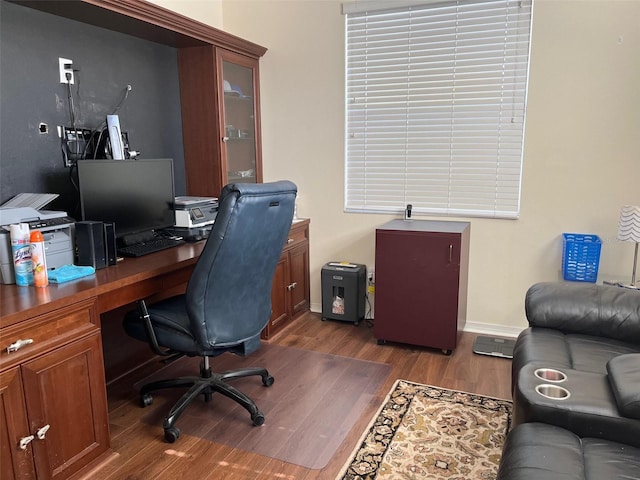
x,y
31,93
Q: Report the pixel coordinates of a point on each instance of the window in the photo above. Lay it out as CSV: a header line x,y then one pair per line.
x,y
435,107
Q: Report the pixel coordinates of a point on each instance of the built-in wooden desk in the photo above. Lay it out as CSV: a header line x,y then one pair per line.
x,y
57,380
54,420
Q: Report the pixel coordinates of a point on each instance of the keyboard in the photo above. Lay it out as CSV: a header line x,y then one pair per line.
x,y
151,246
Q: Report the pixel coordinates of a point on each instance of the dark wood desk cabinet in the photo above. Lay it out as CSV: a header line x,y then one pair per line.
x,y
53,405
421,282
290,292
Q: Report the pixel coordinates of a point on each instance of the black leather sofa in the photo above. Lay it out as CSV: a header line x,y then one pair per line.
x,y
537,451
591,334
576,384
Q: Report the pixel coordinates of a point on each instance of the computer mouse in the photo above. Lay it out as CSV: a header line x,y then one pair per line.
x,y
194,238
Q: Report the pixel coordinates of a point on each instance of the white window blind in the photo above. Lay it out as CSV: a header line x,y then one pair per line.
x,y
435,108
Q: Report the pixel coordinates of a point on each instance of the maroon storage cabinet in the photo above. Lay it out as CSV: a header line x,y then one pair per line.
x,y
421,282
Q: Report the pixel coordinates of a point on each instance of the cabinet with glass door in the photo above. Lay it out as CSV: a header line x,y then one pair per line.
x,y
239,110
220,100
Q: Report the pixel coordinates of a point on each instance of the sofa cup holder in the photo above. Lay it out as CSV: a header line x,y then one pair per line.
x,y
553,392
550,375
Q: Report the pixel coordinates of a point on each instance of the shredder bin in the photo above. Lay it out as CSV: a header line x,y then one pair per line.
x,y
343,291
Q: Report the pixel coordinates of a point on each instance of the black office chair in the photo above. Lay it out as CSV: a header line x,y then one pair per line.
x,y
228,298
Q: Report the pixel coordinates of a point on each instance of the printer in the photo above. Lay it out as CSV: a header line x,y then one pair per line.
x,y
194,212
56,227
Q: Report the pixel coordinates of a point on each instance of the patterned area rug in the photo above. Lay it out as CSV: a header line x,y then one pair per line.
x,y
425,432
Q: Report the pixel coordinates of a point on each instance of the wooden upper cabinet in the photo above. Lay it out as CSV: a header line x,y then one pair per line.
x,y
241,155
220,100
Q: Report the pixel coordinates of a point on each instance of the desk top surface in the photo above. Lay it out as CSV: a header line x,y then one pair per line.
x,y
112,286
19,303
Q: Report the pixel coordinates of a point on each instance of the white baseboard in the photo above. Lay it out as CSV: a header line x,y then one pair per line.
x,y
473,327
490,329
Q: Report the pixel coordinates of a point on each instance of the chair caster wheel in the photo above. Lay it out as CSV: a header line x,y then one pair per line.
x,y
381,341
171,434
268,381
447,351
257,419
146,400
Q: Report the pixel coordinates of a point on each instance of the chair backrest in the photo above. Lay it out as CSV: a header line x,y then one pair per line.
x,y
229,293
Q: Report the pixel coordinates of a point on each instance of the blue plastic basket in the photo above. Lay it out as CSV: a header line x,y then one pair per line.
x,y
580,257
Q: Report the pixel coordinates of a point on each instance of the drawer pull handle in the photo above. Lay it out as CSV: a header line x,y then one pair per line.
x,y
24,441
18,344
41,432
290,241
450,253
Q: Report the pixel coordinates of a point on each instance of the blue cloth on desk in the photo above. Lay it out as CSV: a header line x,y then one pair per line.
x,y
67,273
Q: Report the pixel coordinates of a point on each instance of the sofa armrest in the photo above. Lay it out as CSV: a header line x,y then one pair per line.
x,y
624,377
588,309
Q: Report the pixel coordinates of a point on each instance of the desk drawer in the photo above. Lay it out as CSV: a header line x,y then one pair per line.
x,y
296,237
47,331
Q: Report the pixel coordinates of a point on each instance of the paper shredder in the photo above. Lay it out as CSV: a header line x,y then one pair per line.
x,y
344,291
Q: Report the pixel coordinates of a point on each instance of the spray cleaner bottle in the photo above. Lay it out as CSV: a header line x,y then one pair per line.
x,y
38,260
21,248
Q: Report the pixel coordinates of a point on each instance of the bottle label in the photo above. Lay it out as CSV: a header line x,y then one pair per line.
x,y
22,254
39,265
22,265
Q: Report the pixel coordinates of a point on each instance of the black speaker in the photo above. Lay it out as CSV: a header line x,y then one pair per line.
x,y
110,242
90,245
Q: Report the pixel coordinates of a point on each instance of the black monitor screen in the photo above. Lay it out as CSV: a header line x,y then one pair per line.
x,y
136,195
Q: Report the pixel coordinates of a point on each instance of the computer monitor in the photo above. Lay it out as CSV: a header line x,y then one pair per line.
x,y
136,195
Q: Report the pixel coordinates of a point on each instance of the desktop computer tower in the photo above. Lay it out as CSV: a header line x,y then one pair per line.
x,y
344,291
110,243
90,244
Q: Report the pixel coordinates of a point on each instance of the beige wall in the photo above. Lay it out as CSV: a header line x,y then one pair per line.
x,y
581,161
205,11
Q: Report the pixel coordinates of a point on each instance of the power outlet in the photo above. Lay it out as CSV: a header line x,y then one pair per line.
x,y
371,281
65,67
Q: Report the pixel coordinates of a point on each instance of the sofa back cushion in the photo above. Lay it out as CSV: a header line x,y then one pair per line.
x,y
588,309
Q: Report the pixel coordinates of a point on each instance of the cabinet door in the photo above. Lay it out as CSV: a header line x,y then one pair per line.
x,y
417,288
238,83
15,463
65,389
299,275
279,296
200,121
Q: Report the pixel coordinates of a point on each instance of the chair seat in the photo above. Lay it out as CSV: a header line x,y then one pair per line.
x,y
170,323
171,327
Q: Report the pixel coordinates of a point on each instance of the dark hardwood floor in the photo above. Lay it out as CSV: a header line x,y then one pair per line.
x,y
140,452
